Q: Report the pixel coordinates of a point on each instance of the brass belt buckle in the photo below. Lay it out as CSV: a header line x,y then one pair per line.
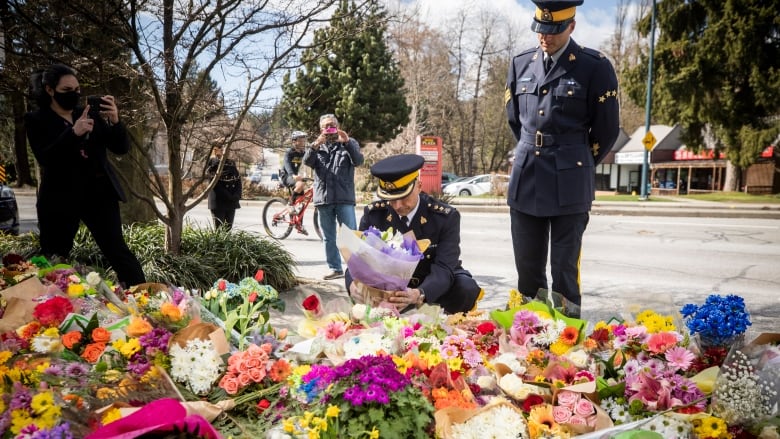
x,y
539,139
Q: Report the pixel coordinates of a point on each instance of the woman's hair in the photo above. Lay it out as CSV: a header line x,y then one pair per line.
x,y
49,76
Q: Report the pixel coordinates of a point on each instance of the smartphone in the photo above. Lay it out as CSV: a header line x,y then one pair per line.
x,y
94,106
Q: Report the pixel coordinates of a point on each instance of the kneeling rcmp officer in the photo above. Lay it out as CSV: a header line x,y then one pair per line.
x,y
561,104
439,278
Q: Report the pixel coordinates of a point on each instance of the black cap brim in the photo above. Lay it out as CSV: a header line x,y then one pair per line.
x,y
549,28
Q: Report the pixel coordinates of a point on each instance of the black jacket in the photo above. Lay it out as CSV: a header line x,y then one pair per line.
x,y
71,164
226,194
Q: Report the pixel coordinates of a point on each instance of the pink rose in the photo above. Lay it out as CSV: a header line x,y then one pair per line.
x,y
577,420
253,363
567,398
257,374
242,366
561,414
230,385
584,408
244,379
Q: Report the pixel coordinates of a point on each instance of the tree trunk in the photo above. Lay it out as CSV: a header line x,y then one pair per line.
x,y
173,231
733,174
21,159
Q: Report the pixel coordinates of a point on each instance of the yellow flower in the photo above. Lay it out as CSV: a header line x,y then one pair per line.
x,y
559,347
52,332
332,411
2,405
75,290
711,427
19,419
455,363
130,347
374,434
401,363
288,426
111,415
601,324
105,393
5,356
42,402
306,420
314,434
515,299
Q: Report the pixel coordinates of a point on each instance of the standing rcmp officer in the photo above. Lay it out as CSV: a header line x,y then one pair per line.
x,y
565,119
439,277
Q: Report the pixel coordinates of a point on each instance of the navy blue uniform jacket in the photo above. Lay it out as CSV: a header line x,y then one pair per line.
x,y
438,222
565,122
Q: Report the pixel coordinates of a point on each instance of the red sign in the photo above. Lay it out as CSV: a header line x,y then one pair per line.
x,y
684,154
429,147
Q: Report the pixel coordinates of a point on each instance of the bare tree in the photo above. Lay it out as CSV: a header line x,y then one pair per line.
x,y
179,48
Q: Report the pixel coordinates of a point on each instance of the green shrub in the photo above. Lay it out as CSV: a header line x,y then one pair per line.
x,y
206,255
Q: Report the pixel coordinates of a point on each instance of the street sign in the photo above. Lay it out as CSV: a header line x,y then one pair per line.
x,y
649,140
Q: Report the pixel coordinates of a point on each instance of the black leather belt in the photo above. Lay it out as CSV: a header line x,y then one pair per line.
x,y
540,139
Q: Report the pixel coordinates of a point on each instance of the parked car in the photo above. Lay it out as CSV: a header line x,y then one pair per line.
x,y
447,178
478,185
9,211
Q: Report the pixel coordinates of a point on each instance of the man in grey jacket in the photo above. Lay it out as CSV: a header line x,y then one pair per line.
x,y
333,157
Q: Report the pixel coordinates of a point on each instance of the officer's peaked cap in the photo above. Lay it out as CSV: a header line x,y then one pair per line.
x,y
553,16
397,175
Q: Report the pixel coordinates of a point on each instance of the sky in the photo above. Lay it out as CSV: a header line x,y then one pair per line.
x,y
595,18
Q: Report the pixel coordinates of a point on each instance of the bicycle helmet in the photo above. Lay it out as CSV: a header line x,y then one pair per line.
x,y
297,135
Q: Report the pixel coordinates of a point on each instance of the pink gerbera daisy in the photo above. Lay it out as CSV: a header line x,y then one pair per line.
x,y
679,357
661,341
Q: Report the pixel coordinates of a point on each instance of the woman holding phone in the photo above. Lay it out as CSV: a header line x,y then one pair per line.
x,y
78,184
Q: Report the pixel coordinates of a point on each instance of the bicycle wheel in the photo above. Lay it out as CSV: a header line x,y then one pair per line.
x,y
316,216
276,218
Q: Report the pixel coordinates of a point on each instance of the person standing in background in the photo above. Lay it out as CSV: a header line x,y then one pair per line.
x,y
70,143
293,158
333,157
561,103
225,196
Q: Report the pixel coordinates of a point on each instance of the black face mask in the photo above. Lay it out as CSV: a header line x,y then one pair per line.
x,y
67,100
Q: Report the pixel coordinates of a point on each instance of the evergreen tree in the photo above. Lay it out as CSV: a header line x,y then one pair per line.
x,y
717,68
349,71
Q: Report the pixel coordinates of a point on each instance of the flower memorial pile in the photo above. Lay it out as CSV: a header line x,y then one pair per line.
x,y
81,358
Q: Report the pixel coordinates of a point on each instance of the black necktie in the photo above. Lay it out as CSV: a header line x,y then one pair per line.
x,y
405,220
548,62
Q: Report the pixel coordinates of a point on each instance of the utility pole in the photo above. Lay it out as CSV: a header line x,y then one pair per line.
x,y
649,140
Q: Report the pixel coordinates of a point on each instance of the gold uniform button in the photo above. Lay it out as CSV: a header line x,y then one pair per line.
x,y
570,93
523,88
544,92
538,153
579,163
541,112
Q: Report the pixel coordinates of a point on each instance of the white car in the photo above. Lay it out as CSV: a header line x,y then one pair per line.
x,y
478,185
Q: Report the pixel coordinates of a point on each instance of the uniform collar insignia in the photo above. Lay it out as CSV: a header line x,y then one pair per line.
x,y
423,220
389,218
536,55
572,57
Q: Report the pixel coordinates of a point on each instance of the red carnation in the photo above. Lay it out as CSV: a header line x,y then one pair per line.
x,y
259,275
263,405
252,297
486,328
221,285
53,311
532,400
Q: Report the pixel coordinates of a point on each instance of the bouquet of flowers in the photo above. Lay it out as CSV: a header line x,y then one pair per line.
x,y
720,321
383,260
363,397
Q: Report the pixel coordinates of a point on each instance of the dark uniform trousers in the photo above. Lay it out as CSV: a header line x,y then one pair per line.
x,y
530,235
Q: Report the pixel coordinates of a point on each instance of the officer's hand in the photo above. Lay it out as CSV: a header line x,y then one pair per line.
x,y
405,297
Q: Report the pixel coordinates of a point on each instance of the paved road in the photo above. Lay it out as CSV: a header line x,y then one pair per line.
x,y
664,261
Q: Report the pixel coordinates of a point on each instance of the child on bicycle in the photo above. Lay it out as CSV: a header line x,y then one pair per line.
x,y
293,158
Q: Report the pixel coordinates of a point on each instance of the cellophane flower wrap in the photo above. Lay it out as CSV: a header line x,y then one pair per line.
x,y
719,321
384,260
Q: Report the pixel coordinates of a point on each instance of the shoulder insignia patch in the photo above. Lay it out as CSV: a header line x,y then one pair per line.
x,y
423,220
389,218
